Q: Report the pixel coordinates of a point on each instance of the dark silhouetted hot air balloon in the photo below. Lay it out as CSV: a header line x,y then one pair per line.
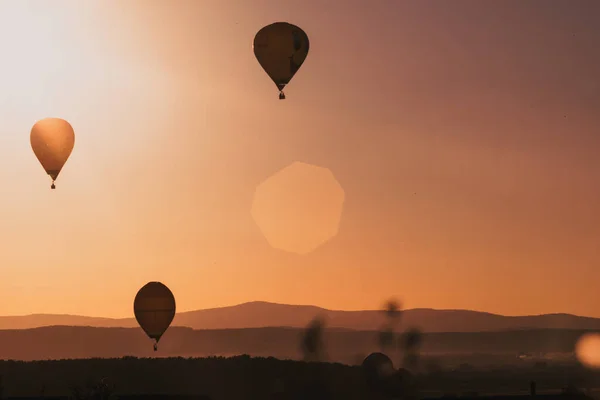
x,y
377,369
281,49
52,141
154,309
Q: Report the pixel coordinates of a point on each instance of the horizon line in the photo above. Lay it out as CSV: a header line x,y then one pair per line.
x,y
298,305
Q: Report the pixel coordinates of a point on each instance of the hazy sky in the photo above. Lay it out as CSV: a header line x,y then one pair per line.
x,y
465,135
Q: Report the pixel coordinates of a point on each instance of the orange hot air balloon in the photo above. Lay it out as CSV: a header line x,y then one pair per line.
x,y
52,141
154,309
281,49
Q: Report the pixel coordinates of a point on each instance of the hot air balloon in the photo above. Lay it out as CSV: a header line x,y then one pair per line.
x,y
377,369
154,309
281,49
52,140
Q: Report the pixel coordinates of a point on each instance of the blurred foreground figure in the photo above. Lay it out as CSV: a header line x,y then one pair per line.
x,y
52,141
312,344
154,309
281,49
410,343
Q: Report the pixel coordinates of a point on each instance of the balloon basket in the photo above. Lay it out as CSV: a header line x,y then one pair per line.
x,y
281,96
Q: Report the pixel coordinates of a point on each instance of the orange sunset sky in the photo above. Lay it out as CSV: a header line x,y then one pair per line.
x,y
465,136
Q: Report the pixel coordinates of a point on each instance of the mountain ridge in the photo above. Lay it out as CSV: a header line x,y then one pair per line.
x,y
259,314
261,302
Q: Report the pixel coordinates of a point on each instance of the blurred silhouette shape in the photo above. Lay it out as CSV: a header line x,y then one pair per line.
x,y
154,309
532,387
281,49
411,339
386,338
52,141
312,344
587,350
313,349
393,310
410,343
387,333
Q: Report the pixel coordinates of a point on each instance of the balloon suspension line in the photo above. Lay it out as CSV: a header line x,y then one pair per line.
x,y
281,95
53,186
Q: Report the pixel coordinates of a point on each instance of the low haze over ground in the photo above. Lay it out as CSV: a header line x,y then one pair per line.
x,y
463,133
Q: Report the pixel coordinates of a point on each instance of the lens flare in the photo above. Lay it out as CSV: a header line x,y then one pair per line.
x,y
588,350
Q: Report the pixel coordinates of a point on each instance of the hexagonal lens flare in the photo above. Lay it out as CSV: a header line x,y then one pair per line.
x,y
299,208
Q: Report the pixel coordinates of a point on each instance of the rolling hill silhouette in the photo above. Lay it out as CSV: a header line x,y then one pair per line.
x,y
260,314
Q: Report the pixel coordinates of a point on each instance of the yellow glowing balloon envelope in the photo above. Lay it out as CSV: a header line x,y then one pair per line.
x,y
281,49
52,141
154,309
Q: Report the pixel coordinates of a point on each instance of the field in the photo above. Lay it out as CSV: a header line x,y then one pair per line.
x,y
244,377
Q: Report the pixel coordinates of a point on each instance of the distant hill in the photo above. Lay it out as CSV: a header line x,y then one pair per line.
x,y
262,314
60,342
